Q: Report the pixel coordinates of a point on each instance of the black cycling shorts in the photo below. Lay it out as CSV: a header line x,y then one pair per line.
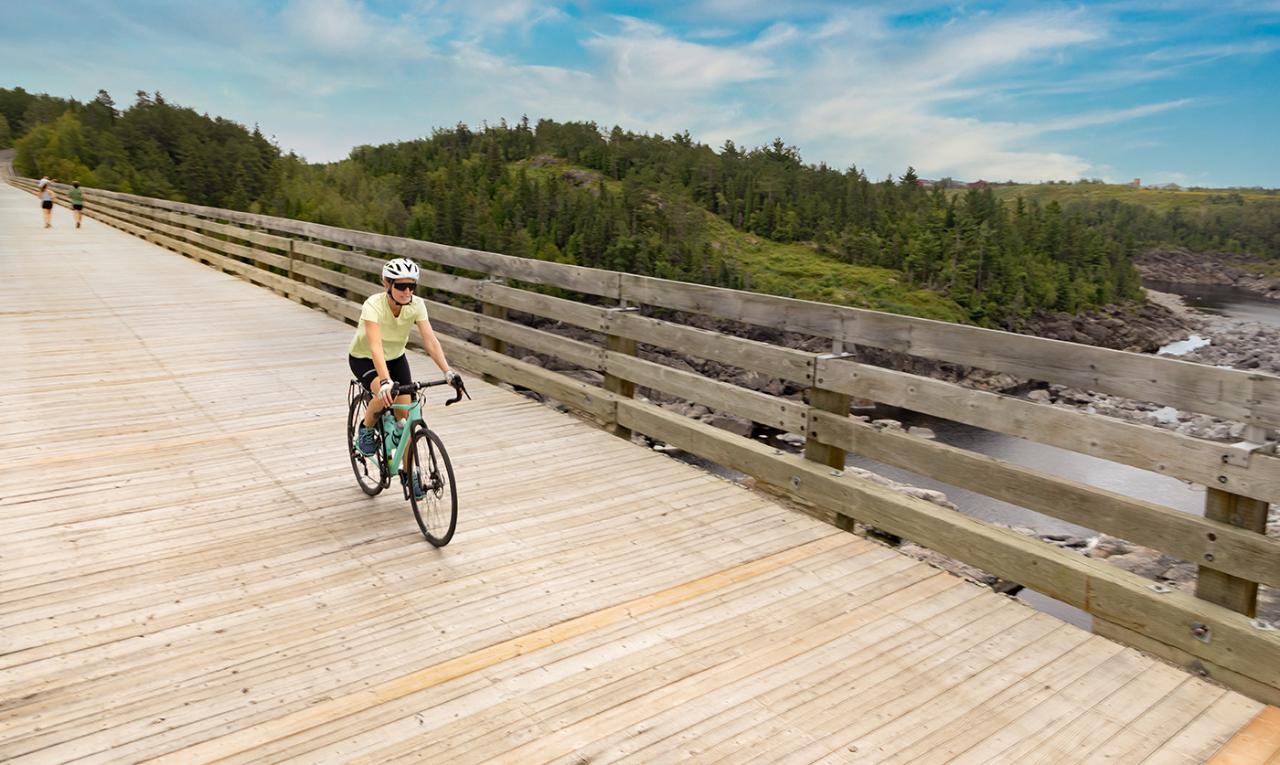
x,y
46,204
365,372
77,207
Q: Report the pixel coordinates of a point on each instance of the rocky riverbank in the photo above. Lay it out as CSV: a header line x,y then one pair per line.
x,y
1234,343
1220,268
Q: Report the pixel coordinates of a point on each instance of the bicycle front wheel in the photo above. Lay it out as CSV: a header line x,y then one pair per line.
x,y
433,494
369,470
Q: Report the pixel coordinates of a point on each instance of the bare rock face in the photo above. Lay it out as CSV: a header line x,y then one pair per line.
x,y
1136,327
1222,268
731,422
588,376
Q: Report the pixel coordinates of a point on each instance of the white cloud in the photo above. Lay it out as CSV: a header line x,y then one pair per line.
x,y
644,61
1210,52
347,29
1109,117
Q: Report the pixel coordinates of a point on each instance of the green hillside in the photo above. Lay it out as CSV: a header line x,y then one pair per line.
x,y
1156,199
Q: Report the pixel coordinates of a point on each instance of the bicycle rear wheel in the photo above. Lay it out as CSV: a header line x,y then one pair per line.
x,y
437,508
370,471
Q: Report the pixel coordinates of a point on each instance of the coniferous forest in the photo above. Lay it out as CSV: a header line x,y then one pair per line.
x,y
753,218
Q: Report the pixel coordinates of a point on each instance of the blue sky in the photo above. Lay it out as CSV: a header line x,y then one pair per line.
x,y
1173,91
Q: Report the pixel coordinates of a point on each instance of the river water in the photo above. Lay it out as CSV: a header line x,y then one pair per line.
x,y
1224,301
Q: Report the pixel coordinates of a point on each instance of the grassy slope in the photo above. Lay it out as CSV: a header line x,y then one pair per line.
x,y
799,270
1160,200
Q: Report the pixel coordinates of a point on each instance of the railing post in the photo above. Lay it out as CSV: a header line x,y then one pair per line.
x,y
821,399
291,259
1215,586
488,342
613,383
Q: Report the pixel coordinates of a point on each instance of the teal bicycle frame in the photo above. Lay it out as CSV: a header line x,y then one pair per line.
x,y
414,414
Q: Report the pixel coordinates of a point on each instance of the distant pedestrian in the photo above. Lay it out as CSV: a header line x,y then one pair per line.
x,y
46,201
77,201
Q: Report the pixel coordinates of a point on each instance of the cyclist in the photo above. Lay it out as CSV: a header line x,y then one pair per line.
x,y
377,355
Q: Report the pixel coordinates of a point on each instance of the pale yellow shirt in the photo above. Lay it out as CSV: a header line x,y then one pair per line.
x,y
395,329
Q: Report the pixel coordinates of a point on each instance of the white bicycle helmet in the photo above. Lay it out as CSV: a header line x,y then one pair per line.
x,y
400,268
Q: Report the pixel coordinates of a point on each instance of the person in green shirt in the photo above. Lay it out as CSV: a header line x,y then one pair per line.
x,y
77,202
377,355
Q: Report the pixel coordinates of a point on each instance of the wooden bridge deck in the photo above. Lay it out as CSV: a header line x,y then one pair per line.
x,y
189,573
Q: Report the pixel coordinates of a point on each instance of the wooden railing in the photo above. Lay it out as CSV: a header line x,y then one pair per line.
x,y
334,269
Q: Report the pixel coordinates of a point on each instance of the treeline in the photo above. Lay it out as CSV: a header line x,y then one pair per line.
x,y
641,203
649,204
153,148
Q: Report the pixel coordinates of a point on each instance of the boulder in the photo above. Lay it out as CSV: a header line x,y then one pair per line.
x,y
731,422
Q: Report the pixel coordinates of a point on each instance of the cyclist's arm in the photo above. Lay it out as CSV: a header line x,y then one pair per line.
x,y
431,344
374,334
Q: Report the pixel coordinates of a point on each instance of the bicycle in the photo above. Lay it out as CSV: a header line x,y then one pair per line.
x,y
411,450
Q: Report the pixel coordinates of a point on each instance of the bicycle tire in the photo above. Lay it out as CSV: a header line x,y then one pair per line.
x,y
360,464
437,511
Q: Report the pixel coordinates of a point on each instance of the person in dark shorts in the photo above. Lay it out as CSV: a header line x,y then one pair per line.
x,y
377,354
77,202
46,201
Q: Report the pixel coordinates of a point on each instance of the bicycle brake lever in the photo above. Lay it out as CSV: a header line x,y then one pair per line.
x,y
459,391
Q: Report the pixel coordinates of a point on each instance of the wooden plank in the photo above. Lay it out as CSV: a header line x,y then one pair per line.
x,y
356,260
207,242
1186,536
1259,741
560,309
749,307
1216,583
592,281
574,351
773,360
1207,733
439,280
246,739
757,407
349,282
578,395
1187,662
1141,446
1096,587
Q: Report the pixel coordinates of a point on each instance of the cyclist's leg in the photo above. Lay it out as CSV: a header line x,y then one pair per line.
x,y
364,371
399,369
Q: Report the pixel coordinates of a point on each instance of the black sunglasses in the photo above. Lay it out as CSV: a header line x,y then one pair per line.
x,y
411,286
